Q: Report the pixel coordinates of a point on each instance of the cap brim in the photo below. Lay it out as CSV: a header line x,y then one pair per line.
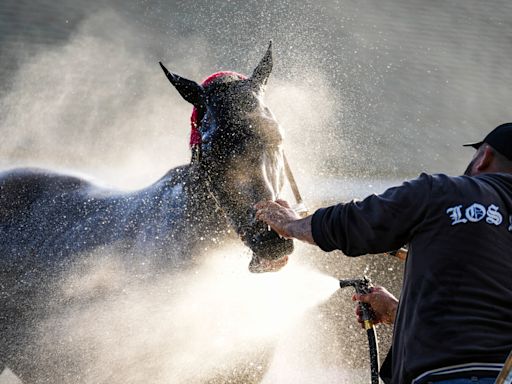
x,y
474,145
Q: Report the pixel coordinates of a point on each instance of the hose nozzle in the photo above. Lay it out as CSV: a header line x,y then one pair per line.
x,y
362,287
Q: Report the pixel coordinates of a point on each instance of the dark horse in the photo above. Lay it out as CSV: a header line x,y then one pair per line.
x,y
49,220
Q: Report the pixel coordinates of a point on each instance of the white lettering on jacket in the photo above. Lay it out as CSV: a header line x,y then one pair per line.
x,y
455,214
493,216
475,213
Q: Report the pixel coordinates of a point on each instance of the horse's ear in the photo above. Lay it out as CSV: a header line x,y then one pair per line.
x,y
262,71
188,89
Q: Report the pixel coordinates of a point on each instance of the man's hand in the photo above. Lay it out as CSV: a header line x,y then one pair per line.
x,y
278,214
401,253
282,219
382,303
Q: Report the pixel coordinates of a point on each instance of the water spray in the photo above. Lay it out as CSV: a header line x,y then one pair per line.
x,y
362,287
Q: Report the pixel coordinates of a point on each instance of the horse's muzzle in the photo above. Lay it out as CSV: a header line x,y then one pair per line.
x,y
270,251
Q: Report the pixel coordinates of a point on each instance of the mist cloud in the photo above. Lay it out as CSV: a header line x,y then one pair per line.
x,y
98,105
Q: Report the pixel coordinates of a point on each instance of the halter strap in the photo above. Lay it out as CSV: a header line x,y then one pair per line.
x,y
300,208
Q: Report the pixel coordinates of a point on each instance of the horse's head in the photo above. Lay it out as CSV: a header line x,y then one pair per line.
x,y
241,154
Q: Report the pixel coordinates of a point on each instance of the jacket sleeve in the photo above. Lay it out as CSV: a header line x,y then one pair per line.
x,y
379,223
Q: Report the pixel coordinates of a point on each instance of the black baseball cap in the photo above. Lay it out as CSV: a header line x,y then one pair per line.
x,y
500,138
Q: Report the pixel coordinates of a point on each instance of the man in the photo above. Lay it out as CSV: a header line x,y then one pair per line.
x,y
454,318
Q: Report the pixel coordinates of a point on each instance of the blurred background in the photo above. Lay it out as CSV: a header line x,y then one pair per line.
x,y
390,88
369,93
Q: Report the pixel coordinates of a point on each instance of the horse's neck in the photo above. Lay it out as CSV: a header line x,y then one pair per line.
x,y
184,193
174,220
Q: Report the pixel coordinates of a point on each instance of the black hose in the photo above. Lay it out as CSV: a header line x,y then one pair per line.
x,y
374,355
362,286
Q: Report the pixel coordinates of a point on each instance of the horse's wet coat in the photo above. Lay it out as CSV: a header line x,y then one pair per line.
x,y
49,221
58,216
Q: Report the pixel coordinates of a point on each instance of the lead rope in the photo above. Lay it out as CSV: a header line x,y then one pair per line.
x,y
300,207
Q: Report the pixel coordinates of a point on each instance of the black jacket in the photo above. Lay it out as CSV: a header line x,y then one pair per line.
x,y
456,301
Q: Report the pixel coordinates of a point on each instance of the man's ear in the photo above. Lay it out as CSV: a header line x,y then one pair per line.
x,y
485,161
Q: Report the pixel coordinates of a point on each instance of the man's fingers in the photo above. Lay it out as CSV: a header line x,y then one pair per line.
x,y
361,298
264,215
268,211
276,215
262,204
269,203
262,210
265,206
283,203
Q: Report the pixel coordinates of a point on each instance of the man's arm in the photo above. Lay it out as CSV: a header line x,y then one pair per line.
x,y
400,253
377,224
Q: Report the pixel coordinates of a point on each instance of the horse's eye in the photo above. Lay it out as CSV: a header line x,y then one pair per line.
x,y
205,122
